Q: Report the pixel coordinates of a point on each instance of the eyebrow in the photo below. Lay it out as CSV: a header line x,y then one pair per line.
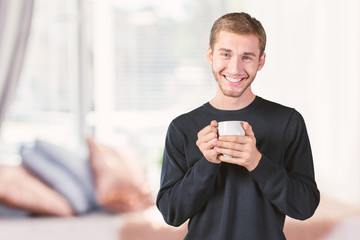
x,y
224,49
250,53
229,50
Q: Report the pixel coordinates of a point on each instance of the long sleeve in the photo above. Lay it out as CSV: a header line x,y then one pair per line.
x,y
290,186
183,189
226,201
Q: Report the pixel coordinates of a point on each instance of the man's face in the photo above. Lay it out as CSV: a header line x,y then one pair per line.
x,y
235,61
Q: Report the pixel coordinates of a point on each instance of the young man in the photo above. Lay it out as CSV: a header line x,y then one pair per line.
x,y
270,174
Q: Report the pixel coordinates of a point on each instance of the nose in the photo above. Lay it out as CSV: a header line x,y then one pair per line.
x,y
235,65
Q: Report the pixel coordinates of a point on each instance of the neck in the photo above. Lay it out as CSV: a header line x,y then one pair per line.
x,y
220,101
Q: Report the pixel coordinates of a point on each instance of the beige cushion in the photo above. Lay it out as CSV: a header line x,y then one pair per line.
x,y
20,189
120,180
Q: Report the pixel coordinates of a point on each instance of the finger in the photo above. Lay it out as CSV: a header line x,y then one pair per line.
x,y
234,138
214,123
230,145
206,145
207,130
248,129
211,144
230,152
210,136
210,154
232,160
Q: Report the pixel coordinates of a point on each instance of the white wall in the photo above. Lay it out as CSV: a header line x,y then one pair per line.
x,y
313,62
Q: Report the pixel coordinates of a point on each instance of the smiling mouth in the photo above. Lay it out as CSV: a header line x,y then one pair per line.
x,y
234,80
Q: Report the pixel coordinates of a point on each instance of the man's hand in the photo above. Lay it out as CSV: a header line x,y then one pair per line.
x,y
242,149
207,140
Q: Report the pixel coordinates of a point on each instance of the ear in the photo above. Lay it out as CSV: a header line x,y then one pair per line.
x,y
262,61
209,55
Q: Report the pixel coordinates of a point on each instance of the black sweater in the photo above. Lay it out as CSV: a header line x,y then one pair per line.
x,y
226,201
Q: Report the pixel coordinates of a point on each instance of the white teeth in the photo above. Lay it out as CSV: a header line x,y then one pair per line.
x,y
233,79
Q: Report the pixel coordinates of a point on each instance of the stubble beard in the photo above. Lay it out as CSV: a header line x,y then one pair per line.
x,y
230,93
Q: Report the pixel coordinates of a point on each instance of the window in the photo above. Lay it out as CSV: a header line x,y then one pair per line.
x,y
158,70
46,99
121,69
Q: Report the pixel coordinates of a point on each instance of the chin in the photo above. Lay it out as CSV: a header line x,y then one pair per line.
x,y
232,93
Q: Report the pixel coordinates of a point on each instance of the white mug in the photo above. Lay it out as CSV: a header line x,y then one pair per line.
x,y
230,128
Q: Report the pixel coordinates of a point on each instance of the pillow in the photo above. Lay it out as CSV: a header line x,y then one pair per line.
x,y
8,211
56,177
75,165
120,179
23,191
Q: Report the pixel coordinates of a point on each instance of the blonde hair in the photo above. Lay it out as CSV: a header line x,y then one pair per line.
x,y
241,23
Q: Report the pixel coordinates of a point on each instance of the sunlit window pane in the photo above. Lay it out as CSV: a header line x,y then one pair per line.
x,y
45,103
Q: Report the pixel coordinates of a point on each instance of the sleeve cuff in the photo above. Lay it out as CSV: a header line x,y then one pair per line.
x,y
206,169
264,170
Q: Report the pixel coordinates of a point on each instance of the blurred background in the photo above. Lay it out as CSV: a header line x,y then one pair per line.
x,y
121,70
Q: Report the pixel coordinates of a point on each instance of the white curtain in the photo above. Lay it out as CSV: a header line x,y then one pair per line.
x,y
15,21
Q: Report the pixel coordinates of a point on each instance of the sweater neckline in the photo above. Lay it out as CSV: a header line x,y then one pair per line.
x,y
252,105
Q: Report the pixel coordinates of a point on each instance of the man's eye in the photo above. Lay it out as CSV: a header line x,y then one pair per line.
x,y
247,58
226,55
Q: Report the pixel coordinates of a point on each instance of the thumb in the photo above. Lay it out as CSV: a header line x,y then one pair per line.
x,y
214,123
248,129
